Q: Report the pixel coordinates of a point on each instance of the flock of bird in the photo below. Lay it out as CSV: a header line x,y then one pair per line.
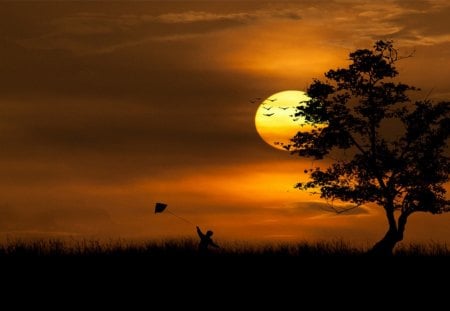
x,y
257,99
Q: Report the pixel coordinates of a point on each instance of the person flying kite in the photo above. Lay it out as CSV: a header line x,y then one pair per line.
x,y
205,239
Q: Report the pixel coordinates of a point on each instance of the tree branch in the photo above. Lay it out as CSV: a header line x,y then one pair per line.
x,y
358,146
343,210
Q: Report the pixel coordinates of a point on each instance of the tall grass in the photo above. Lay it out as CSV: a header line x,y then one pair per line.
x,y
188,247
429,249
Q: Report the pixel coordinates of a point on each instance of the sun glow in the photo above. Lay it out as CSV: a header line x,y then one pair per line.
x,y
275,118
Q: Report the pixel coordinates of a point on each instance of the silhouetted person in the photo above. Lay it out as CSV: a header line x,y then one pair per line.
x,y
205,240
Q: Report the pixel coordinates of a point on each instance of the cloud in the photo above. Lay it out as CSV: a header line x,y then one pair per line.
x,y
418,23
413,26
90,33
423,27
86,33
356,23
203,16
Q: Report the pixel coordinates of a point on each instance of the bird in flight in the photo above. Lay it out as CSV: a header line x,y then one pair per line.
x,y
267,108
284,108
268,114
272,100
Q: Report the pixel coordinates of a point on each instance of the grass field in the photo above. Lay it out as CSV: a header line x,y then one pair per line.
x,y
238,270
188,248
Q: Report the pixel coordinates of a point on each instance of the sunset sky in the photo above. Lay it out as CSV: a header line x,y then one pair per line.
x,y
109,107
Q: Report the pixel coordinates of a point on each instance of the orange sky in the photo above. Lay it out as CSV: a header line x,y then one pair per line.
x,y
106,108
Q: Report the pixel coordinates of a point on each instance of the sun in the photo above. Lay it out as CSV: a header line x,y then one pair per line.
x,y
275,118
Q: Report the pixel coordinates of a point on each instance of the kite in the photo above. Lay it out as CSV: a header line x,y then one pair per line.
x,y
160,207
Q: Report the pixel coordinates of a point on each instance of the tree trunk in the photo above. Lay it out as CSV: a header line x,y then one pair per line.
x,y
386,245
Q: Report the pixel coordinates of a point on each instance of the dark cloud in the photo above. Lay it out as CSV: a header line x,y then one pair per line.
x,y
94,31
423,5
424,26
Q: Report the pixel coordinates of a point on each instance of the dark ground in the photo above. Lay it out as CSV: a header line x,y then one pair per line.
x,y
174,275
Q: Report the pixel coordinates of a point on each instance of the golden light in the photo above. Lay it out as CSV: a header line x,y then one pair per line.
x,y
275,119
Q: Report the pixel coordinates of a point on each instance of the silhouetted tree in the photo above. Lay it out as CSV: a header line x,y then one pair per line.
x,y
395,149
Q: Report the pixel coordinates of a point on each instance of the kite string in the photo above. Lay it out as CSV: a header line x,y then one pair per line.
x,y
180,217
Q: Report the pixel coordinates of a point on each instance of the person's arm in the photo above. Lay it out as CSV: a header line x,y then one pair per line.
x,y
200,233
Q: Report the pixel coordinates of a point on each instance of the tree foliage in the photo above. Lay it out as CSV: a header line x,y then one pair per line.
x,y
396,149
